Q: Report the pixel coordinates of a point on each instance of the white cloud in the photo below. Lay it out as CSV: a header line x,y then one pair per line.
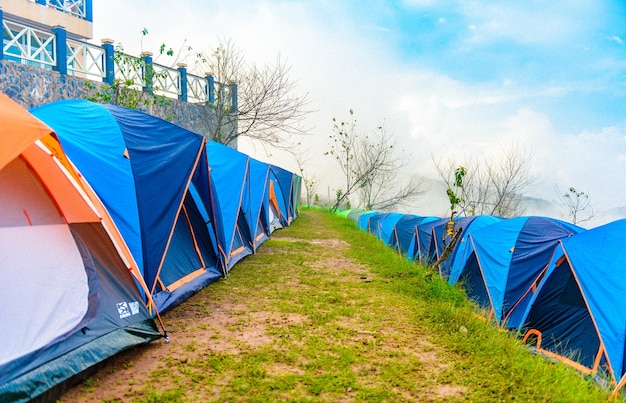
x,y
587,161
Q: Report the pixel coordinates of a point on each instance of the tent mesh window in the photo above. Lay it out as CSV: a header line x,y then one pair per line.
x,y
561,315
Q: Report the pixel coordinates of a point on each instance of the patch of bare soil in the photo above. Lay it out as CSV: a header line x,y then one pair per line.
x,y
225,327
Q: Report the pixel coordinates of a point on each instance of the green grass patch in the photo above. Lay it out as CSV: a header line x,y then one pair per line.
x,y
326,312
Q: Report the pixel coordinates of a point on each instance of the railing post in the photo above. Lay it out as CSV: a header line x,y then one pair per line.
x,y
210,88
182,82
1,32
234,98
109,61
148,72
61,49
89,10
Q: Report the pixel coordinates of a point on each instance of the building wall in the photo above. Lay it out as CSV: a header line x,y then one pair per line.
x,y
31,87
47,17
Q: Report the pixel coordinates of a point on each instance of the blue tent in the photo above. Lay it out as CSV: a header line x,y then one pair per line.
x,y
579,309
373,226
230,185
440,236
364,220
424,251
507,258
141,168
405,232
386,226
465,225
258,202
285,182
454,265
276,218
282,203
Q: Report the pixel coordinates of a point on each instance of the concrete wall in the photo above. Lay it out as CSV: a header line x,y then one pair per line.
x,y
32,86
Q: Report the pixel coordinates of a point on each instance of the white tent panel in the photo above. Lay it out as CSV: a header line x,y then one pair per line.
x,y
24,199
274,219
43,288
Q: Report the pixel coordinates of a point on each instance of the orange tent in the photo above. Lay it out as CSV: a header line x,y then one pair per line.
x,y
68,295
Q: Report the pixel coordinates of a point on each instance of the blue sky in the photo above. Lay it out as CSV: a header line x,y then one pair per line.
x,y
450,79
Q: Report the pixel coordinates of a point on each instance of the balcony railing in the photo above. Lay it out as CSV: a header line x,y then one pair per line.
x,y
78,8
53,50
197,89
86,59
166,81
128,71
28,45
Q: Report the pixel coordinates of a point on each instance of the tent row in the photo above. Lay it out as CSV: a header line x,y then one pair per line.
x,y
110,216
560,286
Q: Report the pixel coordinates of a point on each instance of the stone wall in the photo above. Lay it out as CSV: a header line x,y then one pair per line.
x,y
32,86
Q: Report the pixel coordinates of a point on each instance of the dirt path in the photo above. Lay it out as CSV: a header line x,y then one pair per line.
x,y
272,315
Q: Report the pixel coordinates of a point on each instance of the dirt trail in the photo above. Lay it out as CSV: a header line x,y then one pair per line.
x,y
235,316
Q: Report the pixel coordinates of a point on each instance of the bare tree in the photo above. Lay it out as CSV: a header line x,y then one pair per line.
x,y
370,167
310,182
385,192
509,178
577,203
268,108
493,187
385,189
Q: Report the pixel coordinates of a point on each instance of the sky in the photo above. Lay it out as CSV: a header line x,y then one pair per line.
x,y
451,80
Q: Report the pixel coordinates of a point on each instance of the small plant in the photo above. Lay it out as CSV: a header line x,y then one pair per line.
x,y
90,385
451,236
133,86
459,174
191,346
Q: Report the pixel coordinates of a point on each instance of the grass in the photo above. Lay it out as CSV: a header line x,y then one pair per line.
x,y
325,312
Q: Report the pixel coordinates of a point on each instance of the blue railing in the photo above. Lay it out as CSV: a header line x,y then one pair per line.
x,y
78,8
53,50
